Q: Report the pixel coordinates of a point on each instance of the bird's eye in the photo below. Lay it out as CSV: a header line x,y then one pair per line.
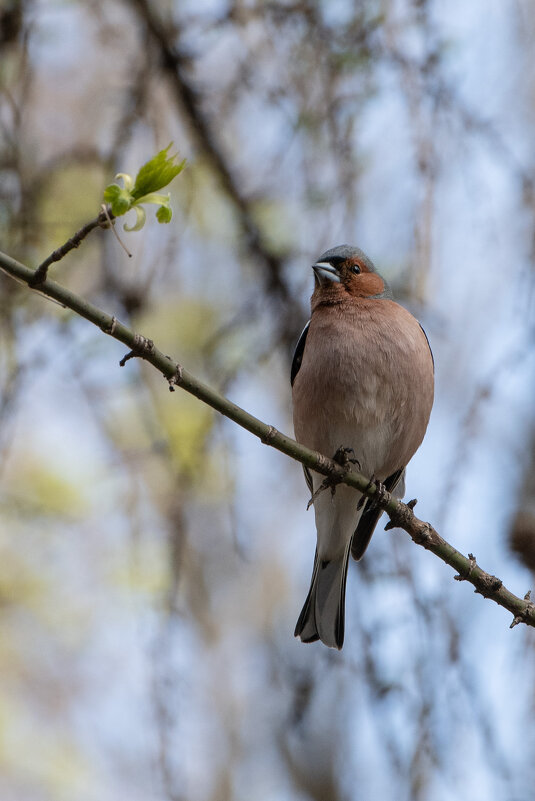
x,y
355,269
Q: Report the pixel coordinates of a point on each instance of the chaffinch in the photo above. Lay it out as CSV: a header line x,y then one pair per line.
x,y
362,378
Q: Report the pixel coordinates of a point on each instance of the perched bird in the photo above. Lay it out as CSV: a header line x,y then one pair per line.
x,y
362,378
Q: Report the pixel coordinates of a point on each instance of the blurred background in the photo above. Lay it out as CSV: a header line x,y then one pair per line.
x,y
153,556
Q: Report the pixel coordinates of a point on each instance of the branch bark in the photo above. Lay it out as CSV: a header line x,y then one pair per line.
x,y
401,514
76,239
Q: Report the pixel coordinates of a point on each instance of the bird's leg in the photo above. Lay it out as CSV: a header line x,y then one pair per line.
x,y
343,458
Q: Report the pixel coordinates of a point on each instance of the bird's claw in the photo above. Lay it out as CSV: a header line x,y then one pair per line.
x,y
343,458
325,484
380,494
381,491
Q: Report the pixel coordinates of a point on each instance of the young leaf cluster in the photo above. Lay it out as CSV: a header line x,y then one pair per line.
x,y
153,176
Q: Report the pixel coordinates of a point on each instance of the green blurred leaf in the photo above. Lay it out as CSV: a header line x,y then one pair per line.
x,y
157,173
54,492
62,206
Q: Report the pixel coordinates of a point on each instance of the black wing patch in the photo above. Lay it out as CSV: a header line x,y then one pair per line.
x,y
427,340
296,364
308,479
298,353
369,519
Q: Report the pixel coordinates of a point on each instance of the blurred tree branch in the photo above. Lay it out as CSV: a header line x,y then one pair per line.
x,y
401,514
175,63
74,241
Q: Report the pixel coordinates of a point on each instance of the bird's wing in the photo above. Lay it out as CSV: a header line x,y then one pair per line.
x,y
369,518
296,364
427,340
298,353
308,479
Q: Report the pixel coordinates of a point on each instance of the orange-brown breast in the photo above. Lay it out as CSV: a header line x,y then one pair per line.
x,y
366,382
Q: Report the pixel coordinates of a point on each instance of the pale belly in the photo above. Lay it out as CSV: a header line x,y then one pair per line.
x,y
373,395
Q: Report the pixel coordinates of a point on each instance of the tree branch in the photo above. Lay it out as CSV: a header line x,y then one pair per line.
x,y
401,514
39,276
177,66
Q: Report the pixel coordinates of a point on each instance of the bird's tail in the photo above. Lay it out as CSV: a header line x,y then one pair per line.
x,y
323,615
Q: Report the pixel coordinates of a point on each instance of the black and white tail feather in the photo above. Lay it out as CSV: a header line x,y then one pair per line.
x,y
322,616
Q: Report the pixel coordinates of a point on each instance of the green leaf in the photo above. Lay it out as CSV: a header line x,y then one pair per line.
x,y
119,199
164,214
157,173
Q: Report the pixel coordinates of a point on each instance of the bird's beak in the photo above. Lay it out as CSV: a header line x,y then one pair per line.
x,y
325,273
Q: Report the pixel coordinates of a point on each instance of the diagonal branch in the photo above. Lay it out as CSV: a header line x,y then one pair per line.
x,y
401,514
39,276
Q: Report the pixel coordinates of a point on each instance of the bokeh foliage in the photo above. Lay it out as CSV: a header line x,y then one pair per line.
x,y
154,557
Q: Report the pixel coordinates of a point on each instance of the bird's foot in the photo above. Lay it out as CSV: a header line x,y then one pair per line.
x,y
343,458
325,484
328,483
381,492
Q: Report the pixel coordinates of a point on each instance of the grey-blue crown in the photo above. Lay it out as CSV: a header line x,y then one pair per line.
x,y
347,252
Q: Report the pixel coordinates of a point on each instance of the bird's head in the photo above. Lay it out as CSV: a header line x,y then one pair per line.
x,y
346,269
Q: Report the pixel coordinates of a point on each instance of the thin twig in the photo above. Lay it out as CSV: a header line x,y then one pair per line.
x,y
40,274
